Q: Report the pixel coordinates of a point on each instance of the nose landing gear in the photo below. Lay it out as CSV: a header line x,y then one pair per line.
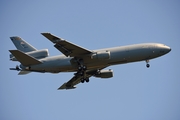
x,y
147,64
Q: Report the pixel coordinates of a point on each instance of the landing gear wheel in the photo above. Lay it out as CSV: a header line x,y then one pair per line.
x,y
84,68
147,65
80,68
81,73
82,80
87,80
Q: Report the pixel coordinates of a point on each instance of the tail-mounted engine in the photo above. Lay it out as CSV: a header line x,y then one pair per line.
x,y
36,54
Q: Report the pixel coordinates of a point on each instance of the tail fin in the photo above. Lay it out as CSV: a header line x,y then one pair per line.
x,y
24,59
22,45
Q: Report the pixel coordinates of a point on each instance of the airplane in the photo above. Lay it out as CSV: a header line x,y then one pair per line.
x,y
86,63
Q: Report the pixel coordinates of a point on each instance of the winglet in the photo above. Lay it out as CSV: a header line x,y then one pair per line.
x,y
24,59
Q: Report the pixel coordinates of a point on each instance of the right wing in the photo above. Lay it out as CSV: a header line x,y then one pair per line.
x,y
67,48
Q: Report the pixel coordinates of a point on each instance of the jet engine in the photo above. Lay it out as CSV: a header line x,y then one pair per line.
x,y
36,54
104,74
101,55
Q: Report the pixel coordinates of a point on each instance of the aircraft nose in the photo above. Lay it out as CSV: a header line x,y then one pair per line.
x,y
165,49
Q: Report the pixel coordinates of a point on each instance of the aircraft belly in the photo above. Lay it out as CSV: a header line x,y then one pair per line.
x,y
96,64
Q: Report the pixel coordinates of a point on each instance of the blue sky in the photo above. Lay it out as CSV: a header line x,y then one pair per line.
x,y
134,93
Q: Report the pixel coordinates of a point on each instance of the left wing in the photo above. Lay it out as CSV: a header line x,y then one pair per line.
x,y
76,80
71,83
67,48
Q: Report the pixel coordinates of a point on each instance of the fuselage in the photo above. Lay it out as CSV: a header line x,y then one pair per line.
x,y
101,58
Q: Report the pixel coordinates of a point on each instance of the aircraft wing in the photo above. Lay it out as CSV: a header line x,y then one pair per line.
x,y
77,79
71,83
67,48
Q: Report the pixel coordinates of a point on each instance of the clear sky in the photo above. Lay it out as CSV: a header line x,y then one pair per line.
x,y
134,93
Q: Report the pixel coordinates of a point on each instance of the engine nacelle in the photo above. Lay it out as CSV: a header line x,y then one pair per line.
x,y
36,54
101,55
104,74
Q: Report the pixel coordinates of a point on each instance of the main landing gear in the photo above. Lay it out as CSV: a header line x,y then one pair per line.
x,y
147,64
82,71
84,79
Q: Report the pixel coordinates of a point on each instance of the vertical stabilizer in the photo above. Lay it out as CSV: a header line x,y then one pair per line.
x,y
22,45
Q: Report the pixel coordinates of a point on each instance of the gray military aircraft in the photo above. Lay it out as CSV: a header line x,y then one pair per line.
x,y
85,63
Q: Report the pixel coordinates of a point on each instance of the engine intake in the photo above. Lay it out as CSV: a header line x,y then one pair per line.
x,y
104,74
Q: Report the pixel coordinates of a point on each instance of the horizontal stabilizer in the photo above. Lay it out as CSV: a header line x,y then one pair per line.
x,y
24,59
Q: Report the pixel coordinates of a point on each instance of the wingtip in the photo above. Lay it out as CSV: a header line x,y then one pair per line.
x,y
11,51
59,89
62,87
45,33
15,37
12,37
